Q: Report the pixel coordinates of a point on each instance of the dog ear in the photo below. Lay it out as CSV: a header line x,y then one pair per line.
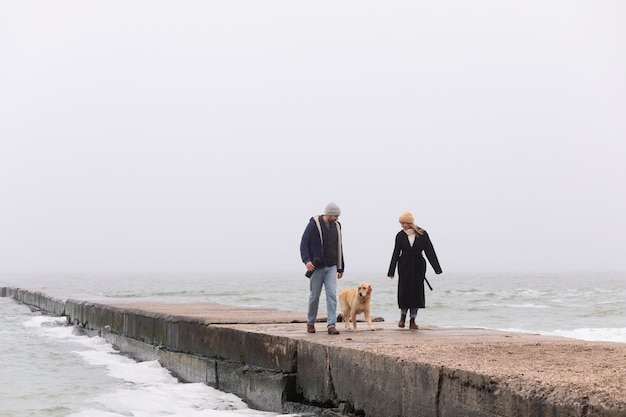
x,y
369,289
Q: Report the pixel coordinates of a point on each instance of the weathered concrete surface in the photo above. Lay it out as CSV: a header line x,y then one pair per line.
x,y
267,358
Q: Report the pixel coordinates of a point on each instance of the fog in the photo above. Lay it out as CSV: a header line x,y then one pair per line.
x,y
154,136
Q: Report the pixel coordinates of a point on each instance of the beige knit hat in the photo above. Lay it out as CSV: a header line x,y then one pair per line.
x,y
406,217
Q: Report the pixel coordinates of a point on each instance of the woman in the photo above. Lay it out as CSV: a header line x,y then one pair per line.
x,y
411,241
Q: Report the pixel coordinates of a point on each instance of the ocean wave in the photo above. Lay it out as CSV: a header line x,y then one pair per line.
x,y
607,334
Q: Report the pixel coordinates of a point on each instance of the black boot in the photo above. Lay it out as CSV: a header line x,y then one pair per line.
x,y
402,320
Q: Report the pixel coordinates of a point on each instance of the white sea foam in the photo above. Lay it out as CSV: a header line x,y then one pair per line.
x,y
611,334
589,334
147,389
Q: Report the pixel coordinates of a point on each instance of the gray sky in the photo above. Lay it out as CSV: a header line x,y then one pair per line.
x,y
153,136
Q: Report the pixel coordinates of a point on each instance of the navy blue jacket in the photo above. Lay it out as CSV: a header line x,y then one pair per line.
x,y
311,244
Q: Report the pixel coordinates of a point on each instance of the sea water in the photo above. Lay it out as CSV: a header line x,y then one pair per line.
x,y
51,369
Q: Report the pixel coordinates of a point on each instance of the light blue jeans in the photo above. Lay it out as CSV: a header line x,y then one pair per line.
x,y
326,276
413,312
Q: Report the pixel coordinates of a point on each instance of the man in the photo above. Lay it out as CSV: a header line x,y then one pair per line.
x,y
322,253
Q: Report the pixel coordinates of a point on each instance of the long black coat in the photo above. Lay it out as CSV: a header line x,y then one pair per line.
x,y
412,268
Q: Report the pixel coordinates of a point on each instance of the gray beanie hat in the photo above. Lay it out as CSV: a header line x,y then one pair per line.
x,y
332,209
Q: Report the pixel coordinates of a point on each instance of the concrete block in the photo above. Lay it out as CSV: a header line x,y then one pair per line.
x,y
370,383
144,328
172,330
466,393
225,343
262,389
133,348
129,324
159,332
249,348
211,372
269,351
117,321
77,313
48,304
103,317
70,311
313,379
419,387
188,368
192,336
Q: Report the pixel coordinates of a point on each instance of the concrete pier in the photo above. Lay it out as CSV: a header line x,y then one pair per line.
x,y
267,358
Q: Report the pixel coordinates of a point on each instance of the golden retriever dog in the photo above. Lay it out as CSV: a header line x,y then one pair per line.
x,y
353,301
